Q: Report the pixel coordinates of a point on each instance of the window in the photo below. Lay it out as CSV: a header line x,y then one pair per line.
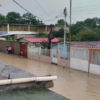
x,y
80,53
96,58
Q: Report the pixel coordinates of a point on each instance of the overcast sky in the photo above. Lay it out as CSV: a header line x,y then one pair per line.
x,y
81,9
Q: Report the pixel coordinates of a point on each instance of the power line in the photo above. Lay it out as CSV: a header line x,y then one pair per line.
x,y
86,6
42,8
86,13
31,13
56,11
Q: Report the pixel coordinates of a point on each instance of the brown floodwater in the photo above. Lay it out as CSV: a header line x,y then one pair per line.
x,y
75,85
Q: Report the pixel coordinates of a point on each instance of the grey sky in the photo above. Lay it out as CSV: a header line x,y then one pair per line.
x,y
82,9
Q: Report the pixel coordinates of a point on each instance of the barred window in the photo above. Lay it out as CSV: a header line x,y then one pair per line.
x,y
80,53
96,58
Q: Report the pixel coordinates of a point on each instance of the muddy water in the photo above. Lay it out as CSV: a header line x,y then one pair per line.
x,y
72,84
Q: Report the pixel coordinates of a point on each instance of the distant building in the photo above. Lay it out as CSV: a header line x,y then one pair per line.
x,y
37,41
22,31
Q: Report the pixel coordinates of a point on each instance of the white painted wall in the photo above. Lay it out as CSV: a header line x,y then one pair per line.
x,y
21,32
4,33
79,64
95,69
55,60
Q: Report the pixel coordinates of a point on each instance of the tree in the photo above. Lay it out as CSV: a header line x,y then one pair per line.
x,y
28,18
2,19
75,38
61,23
41,34
88,35
13,18
50,37
79,26
60,33
92,23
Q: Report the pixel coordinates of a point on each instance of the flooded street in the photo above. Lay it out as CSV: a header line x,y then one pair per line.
x,y
71,84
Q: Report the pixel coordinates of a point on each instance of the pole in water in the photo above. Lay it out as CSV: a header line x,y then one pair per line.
x,y
65,14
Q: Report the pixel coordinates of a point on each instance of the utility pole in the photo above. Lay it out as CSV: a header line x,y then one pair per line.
x,y
70,23
65,14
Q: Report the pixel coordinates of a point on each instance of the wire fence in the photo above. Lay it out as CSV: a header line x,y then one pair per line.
x,y
45,52
80,53
96,58
33,50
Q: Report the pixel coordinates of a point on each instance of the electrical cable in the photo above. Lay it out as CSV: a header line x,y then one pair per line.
x,y
42,8
30,12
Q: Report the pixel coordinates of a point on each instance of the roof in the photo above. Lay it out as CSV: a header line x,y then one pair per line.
x,y
18,33
40,40
94,48
87,43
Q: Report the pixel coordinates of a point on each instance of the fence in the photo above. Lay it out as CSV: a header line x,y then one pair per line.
x,y
94,66
45,52
96,58
79,58
80,53
63,53
46,55
85,59
33,50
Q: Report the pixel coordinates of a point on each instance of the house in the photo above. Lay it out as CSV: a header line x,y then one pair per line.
x,y
23,31
85,58
37,41
67,46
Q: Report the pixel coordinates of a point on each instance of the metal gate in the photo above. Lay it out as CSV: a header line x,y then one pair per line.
x,y
55,56
23,47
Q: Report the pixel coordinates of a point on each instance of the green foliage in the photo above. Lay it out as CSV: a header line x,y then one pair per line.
x,y
75,38
13,18
2,19
16,18
41,34
79,26
61,40
9,38
60,33
61,23
28,18
88,35
88,30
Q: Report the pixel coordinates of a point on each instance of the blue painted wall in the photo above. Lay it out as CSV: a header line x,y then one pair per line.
x,y
61,47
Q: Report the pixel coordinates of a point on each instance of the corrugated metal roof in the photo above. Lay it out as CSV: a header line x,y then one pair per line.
x,y
94,48
40,40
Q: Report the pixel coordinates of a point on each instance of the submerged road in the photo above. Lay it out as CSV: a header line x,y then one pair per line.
x,y
72,84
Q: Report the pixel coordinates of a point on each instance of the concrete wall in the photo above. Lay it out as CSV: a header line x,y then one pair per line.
x,y
95,69
33,56
48,59
79,64
62,62
3,45
45,59
39,57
